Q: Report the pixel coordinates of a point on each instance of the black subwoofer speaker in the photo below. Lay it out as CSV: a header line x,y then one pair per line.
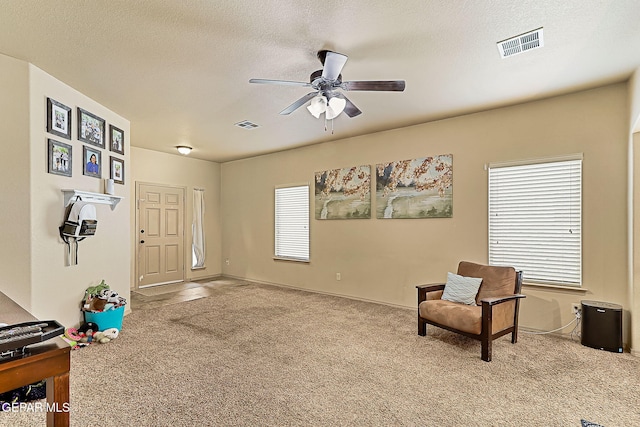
x,y
602,325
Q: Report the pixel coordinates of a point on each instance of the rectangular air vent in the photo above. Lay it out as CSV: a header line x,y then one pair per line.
x,y
522,43
246,124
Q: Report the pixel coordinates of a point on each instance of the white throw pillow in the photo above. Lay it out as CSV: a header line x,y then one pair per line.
x,y
461,289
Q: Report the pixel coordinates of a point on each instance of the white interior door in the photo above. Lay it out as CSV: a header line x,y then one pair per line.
x,y
160,234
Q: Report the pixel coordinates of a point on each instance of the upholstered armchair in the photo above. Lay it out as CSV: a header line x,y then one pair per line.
x,y
485,314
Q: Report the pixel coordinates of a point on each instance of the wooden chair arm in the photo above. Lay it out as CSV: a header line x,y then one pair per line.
x,y
423,289
500,300
431,287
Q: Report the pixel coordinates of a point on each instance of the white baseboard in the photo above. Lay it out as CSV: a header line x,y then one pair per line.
x,y
315,291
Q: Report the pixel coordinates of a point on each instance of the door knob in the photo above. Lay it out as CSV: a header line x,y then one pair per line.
x,y
141,241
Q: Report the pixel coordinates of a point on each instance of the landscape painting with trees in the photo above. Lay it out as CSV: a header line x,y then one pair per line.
x,y
418,188
343,193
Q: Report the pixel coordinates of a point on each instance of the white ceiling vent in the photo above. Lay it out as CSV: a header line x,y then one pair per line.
x,y
522,43
246,124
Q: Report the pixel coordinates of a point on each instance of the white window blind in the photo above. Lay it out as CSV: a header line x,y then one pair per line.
x,y
292,223
535,220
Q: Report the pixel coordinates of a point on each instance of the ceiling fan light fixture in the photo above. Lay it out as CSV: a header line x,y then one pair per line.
x,y
183,149
327,84
317,106
335,107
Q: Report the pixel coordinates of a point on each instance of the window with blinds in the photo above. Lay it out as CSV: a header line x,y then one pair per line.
x,y
292,223
535,220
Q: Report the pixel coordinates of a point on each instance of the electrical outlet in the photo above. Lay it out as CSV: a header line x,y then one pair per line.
x,y
226,261
575,308
338,276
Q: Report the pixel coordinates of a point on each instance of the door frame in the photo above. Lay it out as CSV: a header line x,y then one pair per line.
x,y
137,228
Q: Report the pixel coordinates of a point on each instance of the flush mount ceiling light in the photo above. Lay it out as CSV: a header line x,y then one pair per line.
x,y
183,149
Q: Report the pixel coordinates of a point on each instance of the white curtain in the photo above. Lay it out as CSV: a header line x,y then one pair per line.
x,y
197,229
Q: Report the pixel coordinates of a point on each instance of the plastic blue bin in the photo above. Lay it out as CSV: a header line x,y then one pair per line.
x,y
106,319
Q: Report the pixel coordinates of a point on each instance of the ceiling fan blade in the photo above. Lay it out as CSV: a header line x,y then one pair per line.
x,y
279,82
381,85
351,110
333,64
299,103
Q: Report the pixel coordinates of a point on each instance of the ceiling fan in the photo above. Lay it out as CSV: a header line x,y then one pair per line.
x,y
327,84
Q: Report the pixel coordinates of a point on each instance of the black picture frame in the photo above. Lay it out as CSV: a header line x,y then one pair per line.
x,y
116,139
116,166
58,119
87,167
60,158
91,128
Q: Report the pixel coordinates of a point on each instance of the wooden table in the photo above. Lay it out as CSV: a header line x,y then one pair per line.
x,y
50,360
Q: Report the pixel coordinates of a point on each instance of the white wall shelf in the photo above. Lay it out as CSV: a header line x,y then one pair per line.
x,y
86,196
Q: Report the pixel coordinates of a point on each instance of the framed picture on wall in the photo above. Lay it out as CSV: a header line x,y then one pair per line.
x,y
117,169
90,128
59,158
116,139
58,119
92,162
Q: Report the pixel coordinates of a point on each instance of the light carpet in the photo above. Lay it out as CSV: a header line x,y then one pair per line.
x,y
265,355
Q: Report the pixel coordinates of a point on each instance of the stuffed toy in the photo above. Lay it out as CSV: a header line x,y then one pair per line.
x,y
101,338
93,291
97,304
111,333
113,299
86,327
109,295
107,335
71,336
86,332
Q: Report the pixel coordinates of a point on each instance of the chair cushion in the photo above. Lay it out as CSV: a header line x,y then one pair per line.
x,y
461,289
496,281
467,318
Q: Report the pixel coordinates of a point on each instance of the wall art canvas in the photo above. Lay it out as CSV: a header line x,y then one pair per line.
x,y
418,188
343,193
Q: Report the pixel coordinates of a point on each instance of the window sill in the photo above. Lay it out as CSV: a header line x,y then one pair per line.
x,y
547,287
304,261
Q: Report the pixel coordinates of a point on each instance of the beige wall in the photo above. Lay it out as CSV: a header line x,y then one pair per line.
x,y
176,170
634,289
57,289
634,224
15,280
634,101
47,287
383,260
379,260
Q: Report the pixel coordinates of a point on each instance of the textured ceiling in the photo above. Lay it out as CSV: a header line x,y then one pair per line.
x,y
179,70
